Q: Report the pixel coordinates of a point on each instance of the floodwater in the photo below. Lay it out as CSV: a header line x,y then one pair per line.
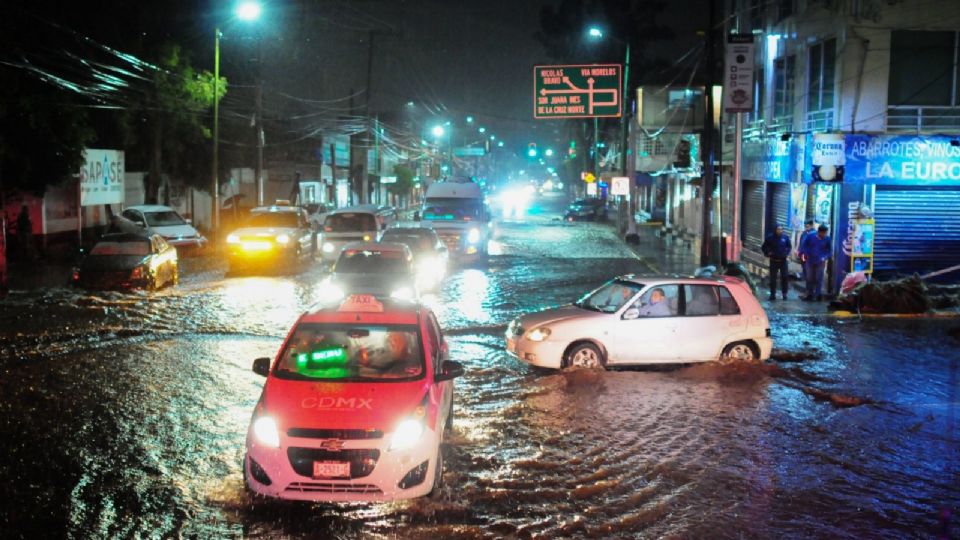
x,y
124,415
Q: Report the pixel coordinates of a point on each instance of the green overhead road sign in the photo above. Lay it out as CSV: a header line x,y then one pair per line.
x,y
468,151
580,91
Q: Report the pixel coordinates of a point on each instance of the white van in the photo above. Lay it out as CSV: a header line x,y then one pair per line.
x,y
352,224
456,210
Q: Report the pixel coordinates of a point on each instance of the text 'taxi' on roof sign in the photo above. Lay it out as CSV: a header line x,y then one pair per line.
x,y
581,91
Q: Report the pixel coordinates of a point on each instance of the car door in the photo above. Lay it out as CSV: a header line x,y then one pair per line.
x,y
646,339
442,391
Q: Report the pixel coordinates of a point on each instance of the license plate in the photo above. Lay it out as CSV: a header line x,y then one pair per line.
x,y
331,469
511,345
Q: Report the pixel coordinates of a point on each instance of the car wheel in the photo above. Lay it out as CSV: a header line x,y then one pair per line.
x,y
585,355
448,426
741,351
437,474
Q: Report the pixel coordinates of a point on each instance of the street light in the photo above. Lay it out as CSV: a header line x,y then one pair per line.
x,y
247,11
549,152
482,129
437,131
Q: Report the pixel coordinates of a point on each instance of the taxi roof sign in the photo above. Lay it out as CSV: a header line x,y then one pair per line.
x,y
361,303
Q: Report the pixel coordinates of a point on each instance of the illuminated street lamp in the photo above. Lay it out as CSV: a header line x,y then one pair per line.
x,y
482,129
549,152
247,11
437,131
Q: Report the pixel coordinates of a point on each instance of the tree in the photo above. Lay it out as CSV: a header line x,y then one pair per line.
x,y
404,183
174,112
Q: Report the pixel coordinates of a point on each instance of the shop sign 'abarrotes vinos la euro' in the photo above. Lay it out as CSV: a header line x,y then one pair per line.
x,y
738,74
578,91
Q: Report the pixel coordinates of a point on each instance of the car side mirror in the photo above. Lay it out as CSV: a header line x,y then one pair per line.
x,y
261,366
449,370
630,314
189,221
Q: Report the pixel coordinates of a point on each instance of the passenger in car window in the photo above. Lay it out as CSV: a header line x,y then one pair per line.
x,y
704,301
657,307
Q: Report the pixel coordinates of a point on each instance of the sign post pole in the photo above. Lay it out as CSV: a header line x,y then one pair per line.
x,y
738,99
735,245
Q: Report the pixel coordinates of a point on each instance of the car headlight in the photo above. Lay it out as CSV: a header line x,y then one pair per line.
x,y
402,293
407,434
366,238
283,239
538,334
473,236
327,247
265,429
233,239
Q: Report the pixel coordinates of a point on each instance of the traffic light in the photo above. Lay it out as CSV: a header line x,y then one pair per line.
x,y
532,150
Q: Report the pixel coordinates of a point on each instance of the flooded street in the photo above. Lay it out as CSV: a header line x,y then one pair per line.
x,y
124,415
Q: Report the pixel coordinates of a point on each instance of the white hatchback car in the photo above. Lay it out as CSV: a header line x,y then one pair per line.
x,y
635,319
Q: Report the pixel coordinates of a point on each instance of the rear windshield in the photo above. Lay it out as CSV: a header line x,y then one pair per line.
x,y
413,241
165,218
353,353
372,262
279,220
350,223
132,247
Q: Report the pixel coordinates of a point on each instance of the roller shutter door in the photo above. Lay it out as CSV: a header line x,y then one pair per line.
x,y
752,217
779,205
917,230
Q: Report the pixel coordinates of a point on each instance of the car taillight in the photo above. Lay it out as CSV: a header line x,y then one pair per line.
x,y
137,273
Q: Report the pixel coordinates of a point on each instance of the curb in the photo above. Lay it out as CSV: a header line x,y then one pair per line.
x,y
928,315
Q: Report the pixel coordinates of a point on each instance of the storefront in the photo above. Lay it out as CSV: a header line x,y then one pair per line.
x,y
899,210
769,167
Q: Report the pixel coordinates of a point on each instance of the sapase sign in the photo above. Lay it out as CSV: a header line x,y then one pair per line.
x,y
101,178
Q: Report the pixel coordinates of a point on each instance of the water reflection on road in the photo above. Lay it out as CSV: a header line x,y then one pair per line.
x,y
125,415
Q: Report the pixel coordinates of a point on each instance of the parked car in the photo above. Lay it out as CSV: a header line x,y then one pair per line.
x,y
128,261
355,405
591,209
429,253
646,320
278,237
317,213
373,268
165,221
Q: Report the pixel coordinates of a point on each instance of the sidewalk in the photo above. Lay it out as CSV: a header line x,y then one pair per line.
x,y
668,255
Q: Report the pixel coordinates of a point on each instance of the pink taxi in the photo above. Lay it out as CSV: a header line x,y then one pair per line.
x,y
355,405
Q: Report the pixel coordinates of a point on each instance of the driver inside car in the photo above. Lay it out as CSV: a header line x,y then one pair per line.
x,y
657,306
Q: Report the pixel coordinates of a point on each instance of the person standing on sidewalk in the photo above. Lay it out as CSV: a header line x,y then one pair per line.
x,y
777,248
816,249
808,230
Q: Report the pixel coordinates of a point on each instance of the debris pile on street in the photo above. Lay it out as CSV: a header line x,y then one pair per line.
x,y
905,295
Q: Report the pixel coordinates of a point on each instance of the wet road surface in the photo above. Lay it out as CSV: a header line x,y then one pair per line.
x,y
124,415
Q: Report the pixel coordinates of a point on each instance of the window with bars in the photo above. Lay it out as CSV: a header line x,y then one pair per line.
x,y
923,68
653,147
784,79
821,76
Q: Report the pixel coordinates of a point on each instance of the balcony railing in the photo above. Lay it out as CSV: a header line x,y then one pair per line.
x,y
819,120
913,119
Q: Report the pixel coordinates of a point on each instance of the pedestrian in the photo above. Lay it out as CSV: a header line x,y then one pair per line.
x,y
777,248
808,230
816,250
25,233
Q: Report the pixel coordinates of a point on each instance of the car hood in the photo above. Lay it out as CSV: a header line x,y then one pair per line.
x,y
339,405
264,231
556,314
95,263
175,231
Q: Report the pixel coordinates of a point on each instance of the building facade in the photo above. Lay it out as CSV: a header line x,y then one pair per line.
x,y
855,124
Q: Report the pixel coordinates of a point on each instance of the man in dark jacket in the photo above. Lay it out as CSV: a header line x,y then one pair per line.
x,y
777,247
816,250
808,230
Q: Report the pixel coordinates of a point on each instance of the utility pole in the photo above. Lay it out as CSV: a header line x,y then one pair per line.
x,y
215,176
706,219
258,173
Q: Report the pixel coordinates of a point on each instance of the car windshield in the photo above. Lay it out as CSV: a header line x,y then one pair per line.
x,y
283,220
356,353
415,242
350,223
452,209
610,297
164,218
372,262
129,247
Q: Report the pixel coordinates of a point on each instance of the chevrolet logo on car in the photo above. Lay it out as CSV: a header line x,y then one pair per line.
x,y
332,445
